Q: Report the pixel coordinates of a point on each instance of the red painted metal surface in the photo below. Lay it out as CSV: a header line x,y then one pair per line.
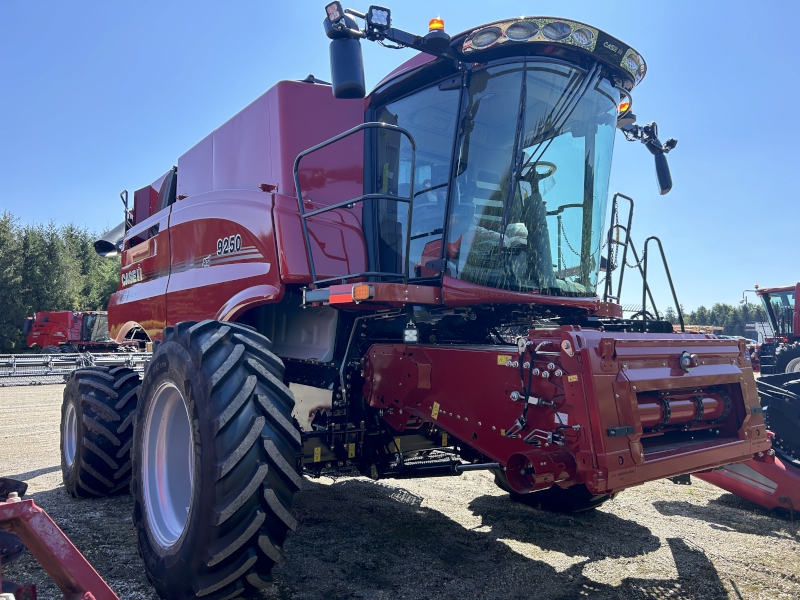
x,y
457,292
171,268
596,392
767,481
65,565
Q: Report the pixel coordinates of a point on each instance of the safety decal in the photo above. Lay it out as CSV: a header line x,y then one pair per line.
x,y
502,359
317,454
435,411
444,438
351,450
572,378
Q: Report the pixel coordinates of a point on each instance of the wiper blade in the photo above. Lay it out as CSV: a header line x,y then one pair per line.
x,y
565,109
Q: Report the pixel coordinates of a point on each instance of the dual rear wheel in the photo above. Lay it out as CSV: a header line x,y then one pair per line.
x,y
214,455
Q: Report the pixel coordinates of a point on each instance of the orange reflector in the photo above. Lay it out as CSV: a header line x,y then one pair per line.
x,y
362,291
624,106
436,24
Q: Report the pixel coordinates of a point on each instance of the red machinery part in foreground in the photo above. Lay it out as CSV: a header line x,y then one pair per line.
x,y
767,481
62,561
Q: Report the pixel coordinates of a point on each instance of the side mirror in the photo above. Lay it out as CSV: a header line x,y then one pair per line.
x,y
347,68
662,173
27,324
648,135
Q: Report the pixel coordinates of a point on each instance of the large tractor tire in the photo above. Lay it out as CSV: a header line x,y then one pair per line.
x,y
787,358
96,430
51,350
214,462
574,499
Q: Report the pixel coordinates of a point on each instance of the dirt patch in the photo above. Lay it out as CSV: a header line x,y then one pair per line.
x,y
457,537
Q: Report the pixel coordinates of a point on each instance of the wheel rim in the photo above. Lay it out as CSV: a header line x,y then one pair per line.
x,y
793,366
70,435
167,465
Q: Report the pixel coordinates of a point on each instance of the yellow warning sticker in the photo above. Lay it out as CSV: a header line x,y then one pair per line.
x,y
503,432
502,359
435,411
444,439
572,378
351,450
317,454
397,444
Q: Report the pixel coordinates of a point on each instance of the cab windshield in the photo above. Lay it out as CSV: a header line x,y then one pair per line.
x,y
780,311
528,202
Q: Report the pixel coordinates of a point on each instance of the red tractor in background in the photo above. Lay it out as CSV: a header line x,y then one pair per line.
x,y
398,285
67,331
781,352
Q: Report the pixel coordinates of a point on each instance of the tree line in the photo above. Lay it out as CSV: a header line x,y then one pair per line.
x,y
48,267
731,318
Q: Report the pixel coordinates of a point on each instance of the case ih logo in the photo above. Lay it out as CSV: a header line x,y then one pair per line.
x,y
132,277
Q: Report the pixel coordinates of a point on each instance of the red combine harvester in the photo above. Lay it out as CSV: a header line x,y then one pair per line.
x,y
69,331
781,352
420,265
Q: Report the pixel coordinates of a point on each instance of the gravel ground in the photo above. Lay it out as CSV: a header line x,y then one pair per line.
x,y
440,538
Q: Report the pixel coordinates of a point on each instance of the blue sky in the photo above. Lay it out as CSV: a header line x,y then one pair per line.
x,y
100,96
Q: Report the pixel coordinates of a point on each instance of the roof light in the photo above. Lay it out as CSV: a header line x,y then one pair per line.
x,y
379,17
583,36
556,31
436,24
524,30
487,37
633,62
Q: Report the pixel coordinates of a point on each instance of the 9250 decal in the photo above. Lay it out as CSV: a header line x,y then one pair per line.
x,y
229,244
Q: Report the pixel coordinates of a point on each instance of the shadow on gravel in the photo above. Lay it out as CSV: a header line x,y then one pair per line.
x,y
356,541
728,513
31,474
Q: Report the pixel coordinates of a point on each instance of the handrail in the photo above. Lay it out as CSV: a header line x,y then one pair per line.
x,y
624,261
304,216
645,254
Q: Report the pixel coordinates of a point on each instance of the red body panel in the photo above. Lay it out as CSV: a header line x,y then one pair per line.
x,y
604,385
144,273
767,481
175,274
201,281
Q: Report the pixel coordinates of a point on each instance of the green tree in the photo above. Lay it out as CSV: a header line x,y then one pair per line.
x,y
47,267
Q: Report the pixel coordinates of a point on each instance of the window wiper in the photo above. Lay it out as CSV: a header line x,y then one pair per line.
x,y
566,109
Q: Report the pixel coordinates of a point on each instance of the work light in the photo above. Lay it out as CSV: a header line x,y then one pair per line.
x,y
411,333
379,17
334,11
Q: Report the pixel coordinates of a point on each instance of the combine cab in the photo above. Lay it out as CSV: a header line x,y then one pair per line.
x,y
399,284
781,352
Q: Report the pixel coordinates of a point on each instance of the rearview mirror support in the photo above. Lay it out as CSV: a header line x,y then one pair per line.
x,y
648,135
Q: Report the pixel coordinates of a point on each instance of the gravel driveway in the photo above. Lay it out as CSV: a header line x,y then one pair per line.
x,y
457,537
